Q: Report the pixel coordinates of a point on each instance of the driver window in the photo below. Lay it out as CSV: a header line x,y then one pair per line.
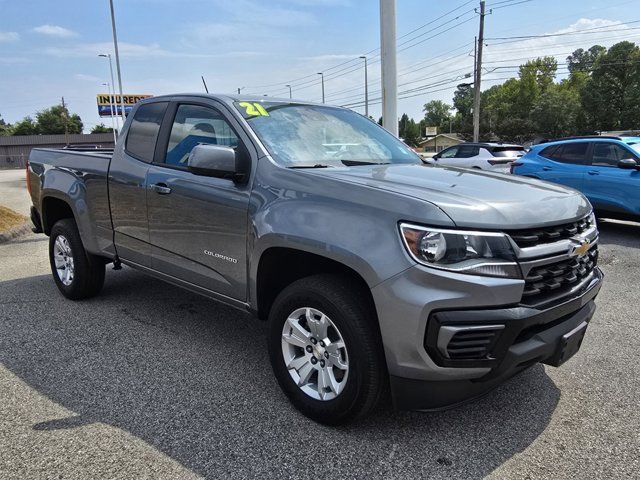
x,y
196,125
606,154
449,152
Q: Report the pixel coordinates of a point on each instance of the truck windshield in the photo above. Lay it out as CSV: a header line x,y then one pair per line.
x,y
299,136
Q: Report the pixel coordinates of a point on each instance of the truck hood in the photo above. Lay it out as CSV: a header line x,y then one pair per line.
x,y
472,198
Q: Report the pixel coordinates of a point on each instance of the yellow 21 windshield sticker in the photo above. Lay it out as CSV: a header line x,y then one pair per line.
x,y
254,109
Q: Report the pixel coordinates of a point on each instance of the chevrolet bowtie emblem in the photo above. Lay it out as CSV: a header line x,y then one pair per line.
x,y
581,249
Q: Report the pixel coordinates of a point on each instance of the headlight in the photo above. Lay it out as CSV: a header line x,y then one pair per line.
x,y
475,253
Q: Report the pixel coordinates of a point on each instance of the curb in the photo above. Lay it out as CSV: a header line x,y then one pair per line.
x,y
15,232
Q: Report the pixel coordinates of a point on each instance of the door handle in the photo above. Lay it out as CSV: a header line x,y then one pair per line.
x,y
160,188
593,172
546,169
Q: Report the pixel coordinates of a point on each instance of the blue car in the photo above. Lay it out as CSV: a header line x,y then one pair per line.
x,y
605,169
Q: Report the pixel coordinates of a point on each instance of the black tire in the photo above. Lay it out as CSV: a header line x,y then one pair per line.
x,y
88,269
347,305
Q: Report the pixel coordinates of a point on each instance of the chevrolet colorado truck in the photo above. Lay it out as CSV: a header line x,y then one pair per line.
x,y
377,273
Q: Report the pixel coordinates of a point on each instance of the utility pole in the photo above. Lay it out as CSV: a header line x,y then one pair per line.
x,y
115,46
366,88
290,94
478,77
66,122
389,65
322,78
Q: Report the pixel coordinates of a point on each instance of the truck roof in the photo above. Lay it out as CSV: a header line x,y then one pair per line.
x,y
230,98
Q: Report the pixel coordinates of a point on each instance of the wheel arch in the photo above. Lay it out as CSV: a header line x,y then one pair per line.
x,y
279,267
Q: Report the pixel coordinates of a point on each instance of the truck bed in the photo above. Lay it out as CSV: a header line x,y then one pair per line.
x,y
80,179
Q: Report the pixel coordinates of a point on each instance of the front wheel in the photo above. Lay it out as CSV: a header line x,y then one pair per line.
x,y
77,273
325,349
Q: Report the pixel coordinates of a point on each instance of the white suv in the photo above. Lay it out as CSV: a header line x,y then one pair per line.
x,y
496,157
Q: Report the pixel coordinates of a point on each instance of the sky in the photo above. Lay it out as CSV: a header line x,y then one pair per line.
x,y
50,49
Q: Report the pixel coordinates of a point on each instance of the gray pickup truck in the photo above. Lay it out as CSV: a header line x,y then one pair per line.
x,y
377,274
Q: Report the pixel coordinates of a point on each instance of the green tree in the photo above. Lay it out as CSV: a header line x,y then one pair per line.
x,y
555,112
409,130
26,126
583,60
437,114
54,119
611,96
5,128
463,103
101,128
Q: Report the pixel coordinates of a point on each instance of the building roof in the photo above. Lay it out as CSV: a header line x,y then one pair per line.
x,y
452,136
14,140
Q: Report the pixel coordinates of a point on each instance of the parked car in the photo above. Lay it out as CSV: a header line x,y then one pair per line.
x,y
375,272
496,157
605,169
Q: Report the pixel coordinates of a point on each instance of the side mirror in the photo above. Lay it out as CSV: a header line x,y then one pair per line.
x,y
214,161
436,156
628,164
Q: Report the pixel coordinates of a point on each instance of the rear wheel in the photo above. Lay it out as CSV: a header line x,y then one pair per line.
x,y
325,349
77,273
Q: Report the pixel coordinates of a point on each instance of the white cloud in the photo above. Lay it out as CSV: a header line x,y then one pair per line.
x,y
86,78
321,3
55,31
14,61
600,32
138,51
6,37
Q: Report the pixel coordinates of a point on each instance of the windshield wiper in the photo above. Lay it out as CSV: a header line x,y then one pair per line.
x,y
351,163
317,165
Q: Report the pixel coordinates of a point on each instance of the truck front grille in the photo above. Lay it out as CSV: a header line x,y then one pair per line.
x,y
557,279
537,236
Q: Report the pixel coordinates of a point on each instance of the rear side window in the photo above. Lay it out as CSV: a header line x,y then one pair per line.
x,y
549,151
143,132
570,153
508,151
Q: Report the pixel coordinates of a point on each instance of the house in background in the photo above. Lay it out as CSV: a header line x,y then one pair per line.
x,y
437,143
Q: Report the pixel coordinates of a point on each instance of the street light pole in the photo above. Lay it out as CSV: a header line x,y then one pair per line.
x,y
240,89
366,88
113,85
290,95
322,77
113,123
389,65
115,46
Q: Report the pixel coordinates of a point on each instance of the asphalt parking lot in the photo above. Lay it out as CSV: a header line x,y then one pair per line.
x,y
148,380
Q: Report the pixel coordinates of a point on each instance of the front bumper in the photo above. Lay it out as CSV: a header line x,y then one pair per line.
x,y
423,377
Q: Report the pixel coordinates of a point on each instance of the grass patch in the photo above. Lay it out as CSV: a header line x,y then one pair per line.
x,y
10,219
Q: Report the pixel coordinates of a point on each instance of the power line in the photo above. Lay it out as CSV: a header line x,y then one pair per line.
x,y
584,31
292,82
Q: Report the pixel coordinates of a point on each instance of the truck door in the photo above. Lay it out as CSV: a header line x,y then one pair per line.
x,y
198,224
127,183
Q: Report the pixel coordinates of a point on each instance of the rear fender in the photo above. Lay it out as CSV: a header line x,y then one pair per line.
x,y
68,186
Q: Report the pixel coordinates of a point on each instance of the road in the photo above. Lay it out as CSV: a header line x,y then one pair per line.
x,y
13,193
147,380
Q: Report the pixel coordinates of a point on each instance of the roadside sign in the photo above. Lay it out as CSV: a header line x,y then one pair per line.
x,y
430,131
105,101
